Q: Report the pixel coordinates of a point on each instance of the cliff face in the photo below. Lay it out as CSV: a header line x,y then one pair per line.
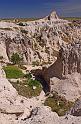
x,y
70,56
64,75
38,40
68,62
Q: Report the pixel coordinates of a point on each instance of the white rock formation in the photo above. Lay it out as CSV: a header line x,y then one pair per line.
x,y
37,40
70,87
44,116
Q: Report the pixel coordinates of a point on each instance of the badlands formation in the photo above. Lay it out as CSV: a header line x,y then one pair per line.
x,y
38,40
51,42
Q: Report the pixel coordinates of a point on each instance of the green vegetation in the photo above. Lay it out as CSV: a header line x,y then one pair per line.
x,y
71,18
16,20
32,83
28,76
13,72
58,104
16,59
25,87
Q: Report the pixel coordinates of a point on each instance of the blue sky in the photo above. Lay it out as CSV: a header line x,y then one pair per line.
x,y
39,8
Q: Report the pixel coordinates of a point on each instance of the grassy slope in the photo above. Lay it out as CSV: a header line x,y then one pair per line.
x,y
25,86
13,72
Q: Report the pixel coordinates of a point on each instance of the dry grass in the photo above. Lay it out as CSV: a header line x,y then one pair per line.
x,y
58,104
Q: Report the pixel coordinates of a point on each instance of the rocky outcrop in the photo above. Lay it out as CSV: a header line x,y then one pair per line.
x,y
52,16
70,56
15,109
68,62
46,40
11,109
70,88
64,75
44,116
37,41
76,109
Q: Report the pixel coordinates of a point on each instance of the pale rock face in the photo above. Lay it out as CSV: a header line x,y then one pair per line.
x,y
2,73
41,43
8,110
68,67
8,119
53,16
44,116
38,40
70,88
7,92
76,109
68,119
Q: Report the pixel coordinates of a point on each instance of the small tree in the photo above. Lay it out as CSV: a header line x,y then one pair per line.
x,y
16,59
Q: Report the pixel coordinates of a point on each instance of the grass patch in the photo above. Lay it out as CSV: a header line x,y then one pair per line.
x,y
58,104
32,83
28,76
13,72
25,88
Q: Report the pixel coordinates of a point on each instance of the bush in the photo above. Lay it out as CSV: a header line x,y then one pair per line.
x,y
13,72
16,59
58,104
28,76
32,83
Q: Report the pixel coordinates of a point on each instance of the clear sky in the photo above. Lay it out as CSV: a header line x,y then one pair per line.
x,y
39,8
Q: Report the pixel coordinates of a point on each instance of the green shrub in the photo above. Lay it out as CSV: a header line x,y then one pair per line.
x,y
32,83
16,59
13,72
58,104
28,76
